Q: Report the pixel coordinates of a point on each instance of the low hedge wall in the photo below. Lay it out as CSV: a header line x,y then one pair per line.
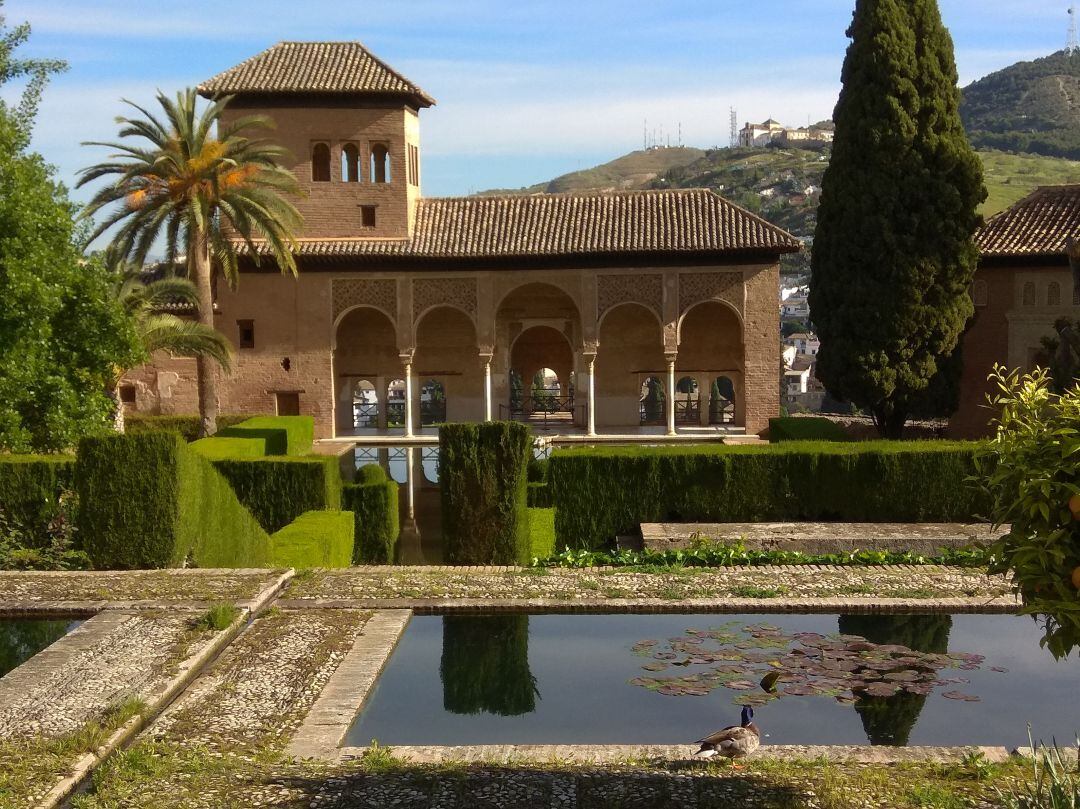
x,y
541,532
539,495
283,435
30,487
483,473
218,448
373,499
187,426
279,489
148,501
315,539
599,493
808,428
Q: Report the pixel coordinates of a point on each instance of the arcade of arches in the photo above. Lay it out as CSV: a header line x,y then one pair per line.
x,y
602,351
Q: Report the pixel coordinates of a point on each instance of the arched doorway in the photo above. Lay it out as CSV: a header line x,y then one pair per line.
x,y
542,362
652,409
630,353
711,348
448,359
687,401
365,356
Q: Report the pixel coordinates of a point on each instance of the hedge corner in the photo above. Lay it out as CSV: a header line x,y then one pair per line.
x,y
315,539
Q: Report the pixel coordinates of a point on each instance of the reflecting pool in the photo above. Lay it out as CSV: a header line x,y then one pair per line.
x,y
670,679
21,639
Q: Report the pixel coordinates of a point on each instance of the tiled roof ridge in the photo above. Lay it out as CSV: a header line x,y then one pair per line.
x,y
1036,225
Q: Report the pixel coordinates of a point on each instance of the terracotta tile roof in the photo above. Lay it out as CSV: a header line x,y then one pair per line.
x,y
1037,225
580,224
314,67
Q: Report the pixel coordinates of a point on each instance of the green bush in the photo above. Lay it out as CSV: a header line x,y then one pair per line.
x,y
539,470
217,448
284,435
483,475
187,426
541,532
600,493
539,495
315,539
31,485
279,489
374,502
148,501
807,428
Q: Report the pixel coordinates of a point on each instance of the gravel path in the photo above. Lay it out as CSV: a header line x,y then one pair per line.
x,y
138,585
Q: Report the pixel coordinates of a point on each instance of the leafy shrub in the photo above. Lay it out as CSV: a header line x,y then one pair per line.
x,y
218,618
148,501
1029,470
283,435
483,476
807,428
37,509
602,492
315,539
279,489
373,499
187,426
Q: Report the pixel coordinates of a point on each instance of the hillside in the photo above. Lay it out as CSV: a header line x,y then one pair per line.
x,y
634,170
1027,107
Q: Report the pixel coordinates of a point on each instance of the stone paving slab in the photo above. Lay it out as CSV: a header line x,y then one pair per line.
x,y
90,590
821,538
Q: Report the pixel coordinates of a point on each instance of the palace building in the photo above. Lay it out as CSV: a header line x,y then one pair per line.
x,y
600,311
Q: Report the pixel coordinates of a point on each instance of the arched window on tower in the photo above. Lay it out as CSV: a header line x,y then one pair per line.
x,y
1053,294
320,163
1029,294
380,163
350,163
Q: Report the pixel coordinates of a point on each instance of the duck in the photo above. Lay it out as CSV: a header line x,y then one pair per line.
x,y
736,741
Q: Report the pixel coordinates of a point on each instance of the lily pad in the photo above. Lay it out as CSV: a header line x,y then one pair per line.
x,y
655,666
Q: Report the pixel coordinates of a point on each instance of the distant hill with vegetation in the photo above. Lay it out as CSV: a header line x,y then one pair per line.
x,y
1027,107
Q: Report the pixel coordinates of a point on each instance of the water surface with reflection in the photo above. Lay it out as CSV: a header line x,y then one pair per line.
x,y
21,639
565,679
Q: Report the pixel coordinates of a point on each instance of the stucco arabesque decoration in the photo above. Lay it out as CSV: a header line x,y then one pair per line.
x,y
457,292
698,287
380,293
613,290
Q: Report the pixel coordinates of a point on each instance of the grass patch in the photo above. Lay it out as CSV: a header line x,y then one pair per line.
x,y
754,591
216,619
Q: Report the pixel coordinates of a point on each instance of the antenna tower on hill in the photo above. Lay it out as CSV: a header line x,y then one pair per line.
x,y
1073,44
734,128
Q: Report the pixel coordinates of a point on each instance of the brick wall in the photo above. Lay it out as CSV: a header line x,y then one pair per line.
x,y
761,346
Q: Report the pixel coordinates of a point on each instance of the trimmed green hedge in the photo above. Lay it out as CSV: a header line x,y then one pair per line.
x,y
539,495
809,428
373,499
315,539
148,501
30,487
600,493
284,435
279,489
541,532
483,472
187,426
218,448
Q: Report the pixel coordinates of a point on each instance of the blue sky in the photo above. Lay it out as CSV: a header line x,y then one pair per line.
x,y
527,89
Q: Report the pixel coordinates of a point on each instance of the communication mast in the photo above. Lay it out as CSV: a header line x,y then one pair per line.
x,y
734,128
1073,44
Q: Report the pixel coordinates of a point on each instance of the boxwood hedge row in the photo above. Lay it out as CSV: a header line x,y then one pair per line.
x,y
30,486
600,493
187,426
373,499
315,539
279,489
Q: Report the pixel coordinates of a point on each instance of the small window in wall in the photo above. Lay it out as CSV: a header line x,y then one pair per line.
x,y
246,330
1029,294
380,163
127,394
413,165
367,216
320,163
980,293
1053,294
287,403
350,163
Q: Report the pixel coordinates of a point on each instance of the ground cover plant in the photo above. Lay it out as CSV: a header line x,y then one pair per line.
x,y
1029,470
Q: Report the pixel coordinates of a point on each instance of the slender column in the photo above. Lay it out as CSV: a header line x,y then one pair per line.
x,y
592,395
408,400
670,394
487,386
410,481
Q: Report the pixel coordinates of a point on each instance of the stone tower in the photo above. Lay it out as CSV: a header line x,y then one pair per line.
x,y
351,124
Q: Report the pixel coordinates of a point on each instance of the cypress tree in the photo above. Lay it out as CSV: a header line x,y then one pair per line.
x,y
894,253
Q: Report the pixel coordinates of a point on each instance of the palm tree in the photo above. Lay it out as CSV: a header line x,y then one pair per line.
x,y
146,302
207,196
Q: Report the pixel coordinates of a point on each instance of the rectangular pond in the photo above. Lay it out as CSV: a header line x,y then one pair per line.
x,y
671,679
21,639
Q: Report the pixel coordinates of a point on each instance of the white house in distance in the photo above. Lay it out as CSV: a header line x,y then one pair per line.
x,y
806,343
794,302
772,131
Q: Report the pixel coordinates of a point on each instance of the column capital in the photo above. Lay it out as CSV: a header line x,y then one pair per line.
x,y
406,356
671,356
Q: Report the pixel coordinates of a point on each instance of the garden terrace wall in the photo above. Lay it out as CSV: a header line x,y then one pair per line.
x,y
483,474
148,501
277,490
373,499
600,493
